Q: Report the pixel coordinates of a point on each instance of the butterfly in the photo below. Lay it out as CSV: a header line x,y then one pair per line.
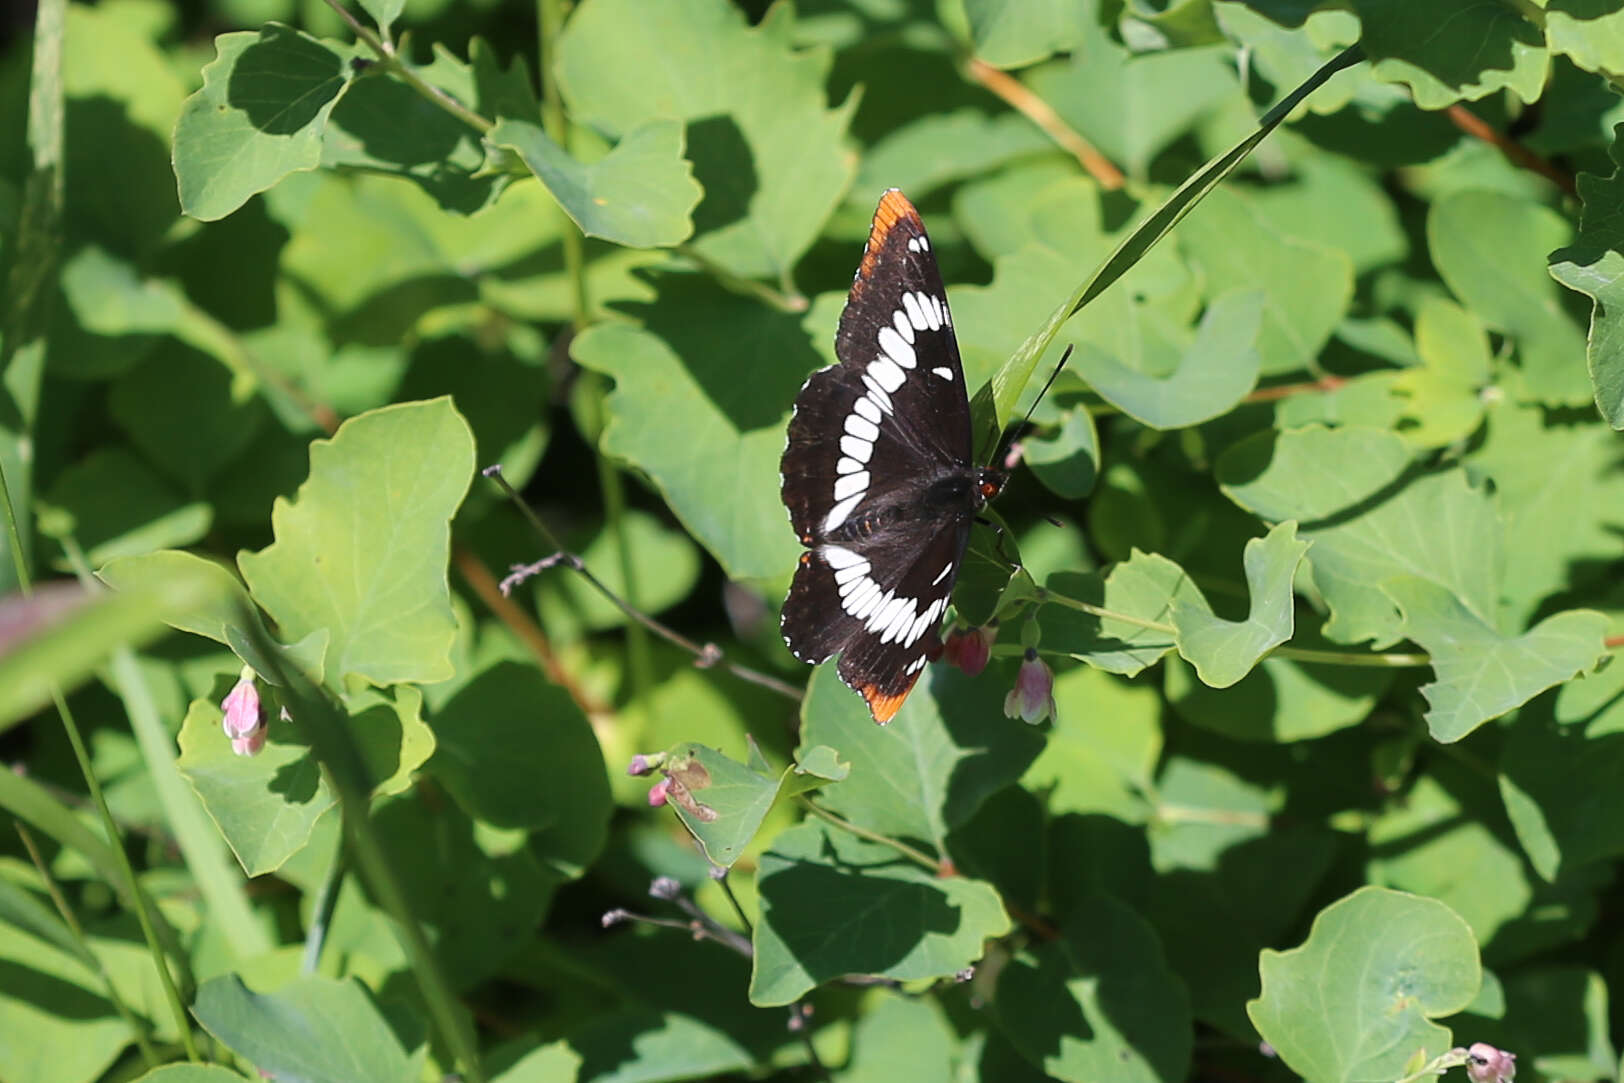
x,y
878,473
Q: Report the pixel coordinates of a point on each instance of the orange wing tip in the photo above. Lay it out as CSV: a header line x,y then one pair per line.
x,y
893,208
882,706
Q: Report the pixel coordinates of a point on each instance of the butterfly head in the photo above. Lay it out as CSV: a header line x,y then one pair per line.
x,y
988,484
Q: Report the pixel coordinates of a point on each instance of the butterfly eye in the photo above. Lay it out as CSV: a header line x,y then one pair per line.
x,y
989,490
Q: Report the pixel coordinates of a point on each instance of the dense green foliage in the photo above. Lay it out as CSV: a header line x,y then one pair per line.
x,y
1319,531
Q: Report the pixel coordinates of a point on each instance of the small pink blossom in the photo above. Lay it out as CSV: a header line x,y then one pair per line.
x,y
1032,698
241,716
1486,1064
656,793
643,764
970,648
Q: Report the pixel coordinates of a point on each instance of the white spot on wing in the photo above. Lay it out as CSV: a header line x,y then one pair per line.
x,y
877,393
838,513
846,465
943,371
857,449
838,557
851,484
856,571
904,328
886,372
916,315
941,575
862,428
868,408
898,350
935,313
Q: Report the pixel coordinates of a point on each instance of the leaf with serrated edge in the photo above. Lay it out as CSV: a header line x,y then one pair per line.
x,y
1358,997
259,116
363,547
1482,674
1145,586
1225,651
641,194
1594,266
1487,48
720,801
833,904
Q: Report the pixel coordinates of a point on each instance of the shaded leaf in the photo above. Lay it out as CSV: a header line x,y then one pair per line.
x,y
1591,33
721,801
1594,265
1225,651
1487,48
833,904
1014,33
1144,588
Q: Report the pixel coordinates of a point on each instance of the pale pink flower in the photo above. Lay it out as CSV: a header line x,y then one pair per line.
x,y
1486,1064
241,716
1032,698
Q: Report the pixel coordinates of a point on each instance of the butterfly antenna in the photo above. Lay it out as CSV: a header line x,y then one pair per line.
x,y
1046,385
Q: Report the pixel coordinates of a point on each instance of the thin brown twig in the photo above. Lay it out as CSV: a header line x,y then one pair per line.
x,y
1285,391
1041,113
1517,154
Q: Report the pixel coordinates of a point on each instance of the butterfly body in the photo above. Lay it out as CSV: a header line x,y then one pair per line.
x,y
878,473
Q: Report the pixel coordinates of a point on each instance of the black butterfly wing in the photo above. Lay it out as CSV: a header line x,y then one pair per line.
x,y
869,436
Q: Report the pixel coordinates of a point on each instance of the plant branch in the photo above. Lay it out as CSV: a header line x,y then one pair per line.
x,y
719,874
706,655
1517,154
321,911
1019,97
392,62
919,857
1285,391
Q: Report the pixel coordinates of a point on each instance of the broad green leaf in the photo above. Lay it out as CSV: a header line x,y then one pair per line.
x,y
110,297
1067,459
1332,202
1281,699
1131,107
259,116
554,1062
814,767
1143,589
1356,1001
112,506
190,1073
721,801
1591,33
383,12
1099,1003
767,151
1438,843
1014,33
1488,247
833,904
936,149
899,1037
633,1047
362,549
1224,651
1306,286
516,752
1101,752
311,1029
222,621
191,437
930,767
695,409
665,567
1442,396
58,1024
1556,770
1480,673
1370,517
391,735
1488,48
1218,368
266,805
641,194
1594,265
56,638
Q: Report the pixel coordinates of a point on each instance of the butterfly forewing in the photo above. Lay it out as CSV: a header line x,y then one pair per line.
x,y
877,474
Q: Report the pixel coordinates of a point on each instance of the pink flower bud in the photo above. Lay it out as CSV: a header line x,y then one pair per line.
x,y
1486,1064
656,793
1032,698
643,764
241,717
970,648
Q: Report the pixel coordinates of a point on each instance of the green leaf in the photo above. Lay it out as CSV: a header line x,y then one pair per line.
x,y
190,1073
641,194
1100,1003
1488,48
930,767
638,1046
58,1024
901,1038
1102,749
1370,517
1225,651
311,1029
1442,396
266,805
924,154
720,801
383,12
1357,999
767,152
1144,587
259,116
1488,247
554,1062
832,905
516,752
1482,674
1594,266
681,413
114,506
665,568
1590,33
1282,699
362,550
226,620
1014,33
1066,459
1217,370
1307,286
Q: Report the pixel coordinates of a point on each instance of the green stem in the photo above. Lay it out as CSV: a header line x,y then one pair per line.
x,y
786,301
321,911
138,1029
727,889
917,856
551,23
392,62
614,512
